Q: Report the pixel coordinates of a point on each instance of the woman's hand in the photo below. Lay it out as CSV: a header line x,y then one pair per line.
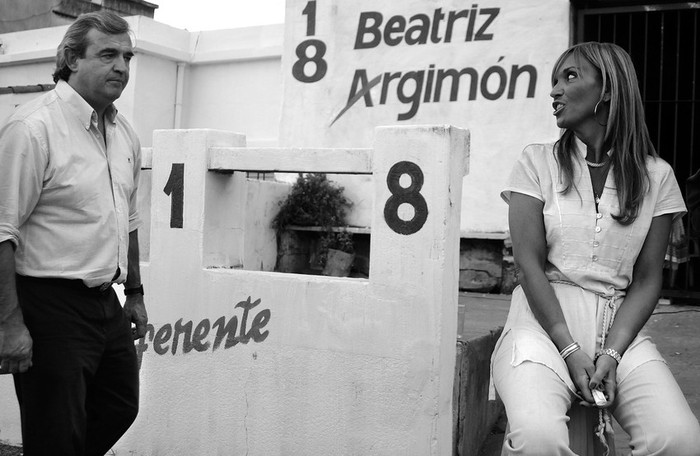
x,y
605,378
581,370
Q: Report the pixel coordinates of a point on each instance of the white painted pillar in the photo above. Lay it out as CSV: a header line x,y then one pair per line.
x,y
196,215
271,364
418,174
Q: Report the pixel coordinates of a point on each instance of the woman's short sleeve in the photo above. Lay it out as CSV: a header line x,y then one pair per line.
x,y
669,199
525,176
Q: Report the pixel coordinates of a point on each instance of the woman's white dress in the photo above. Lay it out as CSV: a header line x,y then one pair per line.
x,y
590,256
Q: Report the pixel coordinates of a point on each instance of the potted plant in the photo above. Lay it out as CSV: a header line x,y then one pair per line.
x,y
312,201
337,254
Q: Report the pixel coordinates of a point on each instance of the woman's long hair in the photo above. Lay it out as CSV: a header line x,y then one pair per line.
x,y
626,131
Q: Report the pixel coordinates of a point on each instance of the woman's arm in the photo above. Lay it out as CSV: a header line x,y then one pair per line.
x,y
527,232
641,299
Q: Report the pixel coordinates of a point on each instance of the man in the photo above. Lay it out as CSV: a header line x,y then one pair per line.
x,y
68,230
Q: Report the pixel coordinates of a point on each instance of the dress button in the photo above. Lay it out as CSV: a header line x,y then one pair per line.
x,y
599,216
598,229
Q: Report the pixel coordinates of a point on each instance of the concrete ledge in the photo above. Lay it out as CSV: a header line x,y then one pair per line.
x,y
481,320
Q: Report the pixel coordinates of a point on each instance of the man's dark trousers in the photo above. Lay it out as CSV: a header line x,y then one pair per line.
x,y
81,394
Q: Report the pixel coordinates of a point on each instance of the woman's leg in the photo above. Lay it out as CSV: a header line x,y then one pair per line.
x,y
536,402
651,408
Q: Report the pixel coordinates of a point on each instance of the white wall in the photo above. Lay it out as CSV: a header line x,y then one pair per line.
x,y
232,80
340,366
221,96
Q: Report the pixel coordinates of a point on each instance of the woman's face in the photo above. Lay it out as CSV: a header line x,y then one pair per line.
x,y
576,89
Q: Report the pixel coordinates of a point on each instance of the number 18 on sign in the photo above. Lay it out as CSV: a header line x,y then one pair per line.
x,y
310,65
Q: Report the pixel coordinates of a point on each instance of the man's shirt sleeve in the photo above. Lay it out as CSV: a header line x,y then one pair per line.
x,y
23,160
135,221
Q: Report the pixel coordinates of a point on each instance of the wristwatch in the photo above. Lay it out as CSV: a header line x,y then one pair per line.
x,y
135,290
610,352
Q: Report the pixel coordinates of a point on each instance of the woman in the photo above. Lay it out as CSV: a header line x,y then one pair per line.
x,y
590,217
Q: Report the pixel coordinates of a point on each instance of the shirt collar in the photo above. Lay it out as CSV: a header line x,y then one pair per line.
x,y
581,148
85,113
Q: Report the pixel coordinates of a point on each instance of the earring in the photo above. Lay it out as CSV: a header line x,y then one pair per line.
x,y
595,114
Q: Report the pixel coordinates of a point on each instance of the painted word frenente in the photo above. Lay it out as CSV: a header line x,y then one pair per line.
x,y
185,336
419,28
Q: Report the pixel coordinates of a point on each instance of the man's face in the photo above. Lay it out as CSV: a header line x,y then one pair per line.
x,y
102,73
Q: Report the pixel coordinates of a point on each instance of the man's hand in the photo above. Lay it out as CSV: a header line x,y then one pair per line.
x,y
135,311
15,345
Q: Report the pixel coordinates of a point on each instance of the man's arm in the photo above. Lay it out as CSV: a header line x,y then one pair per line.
x,y
134,307
15,341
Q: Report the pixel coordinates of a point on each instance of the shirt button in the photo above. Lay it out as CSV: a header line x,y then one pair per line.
x,y
599,216
598,229
596,243
594,258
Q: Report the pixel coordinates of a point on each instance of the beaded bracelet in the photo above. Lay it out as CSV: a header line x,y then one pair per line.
x,y
569,349
610,352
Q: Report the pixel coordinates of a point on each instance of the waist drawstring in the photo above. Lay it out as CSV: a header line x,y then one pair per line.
x,y
604,430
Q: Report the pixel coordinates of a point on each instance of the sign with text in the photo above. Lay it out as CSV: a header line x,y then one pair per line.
x,y
352,65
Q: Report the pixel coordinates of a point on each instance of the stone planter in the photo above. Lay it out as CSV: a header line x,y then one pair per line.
x,y
338,263
292,252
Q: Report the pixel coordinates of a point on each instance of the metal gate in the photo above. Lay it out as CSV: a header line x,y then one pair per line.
x,y
663,41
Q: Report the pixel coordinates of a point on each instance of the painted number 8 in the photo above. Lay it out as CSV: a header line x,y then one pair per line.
x,y
405,195
320,65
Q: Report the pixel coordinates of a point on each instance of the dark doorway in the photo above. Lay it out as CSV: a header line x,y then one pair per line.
x,y
664,42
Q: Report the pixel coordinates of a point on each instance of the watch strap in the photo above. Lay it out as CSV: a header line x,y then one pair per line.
x,y
134,290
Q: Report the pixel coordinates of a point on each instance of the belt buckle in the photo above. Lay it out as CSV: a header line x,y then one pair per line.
x,y
105,286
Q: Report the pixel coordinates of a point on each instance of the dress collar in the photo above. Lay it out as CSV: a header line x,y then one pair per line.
x,y
581,148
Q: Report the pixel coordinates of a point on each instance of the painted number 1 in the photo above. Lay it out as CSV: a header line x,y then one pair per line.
x,y
405,195
175,189
310,13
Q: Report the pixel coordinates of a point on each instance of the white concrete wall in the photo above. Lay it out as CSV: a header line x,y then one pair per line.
x,y
252,362
331,366
228,79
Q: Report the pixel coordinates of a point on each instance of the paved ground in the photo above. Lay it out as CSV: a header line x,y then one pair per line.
x,y
6,450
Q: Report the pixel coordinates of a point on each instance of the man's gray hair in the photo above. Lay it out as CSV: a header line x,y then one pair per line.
x,y
76,40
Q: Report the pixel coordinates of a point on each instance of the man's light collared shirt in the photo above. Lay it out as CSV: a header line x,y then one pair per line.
x,y
67,201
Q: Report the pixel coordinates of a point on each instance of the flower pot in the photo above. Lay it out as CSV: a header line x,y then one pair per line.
x,y
292,253
338,263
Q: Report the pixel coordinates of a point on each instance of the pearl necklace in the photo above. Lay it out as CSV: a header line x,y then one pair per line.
x,y
597,165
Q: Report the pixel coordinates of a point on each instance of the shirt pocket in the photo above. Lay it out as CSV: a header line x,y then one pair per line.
x,y
122,168
591,240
